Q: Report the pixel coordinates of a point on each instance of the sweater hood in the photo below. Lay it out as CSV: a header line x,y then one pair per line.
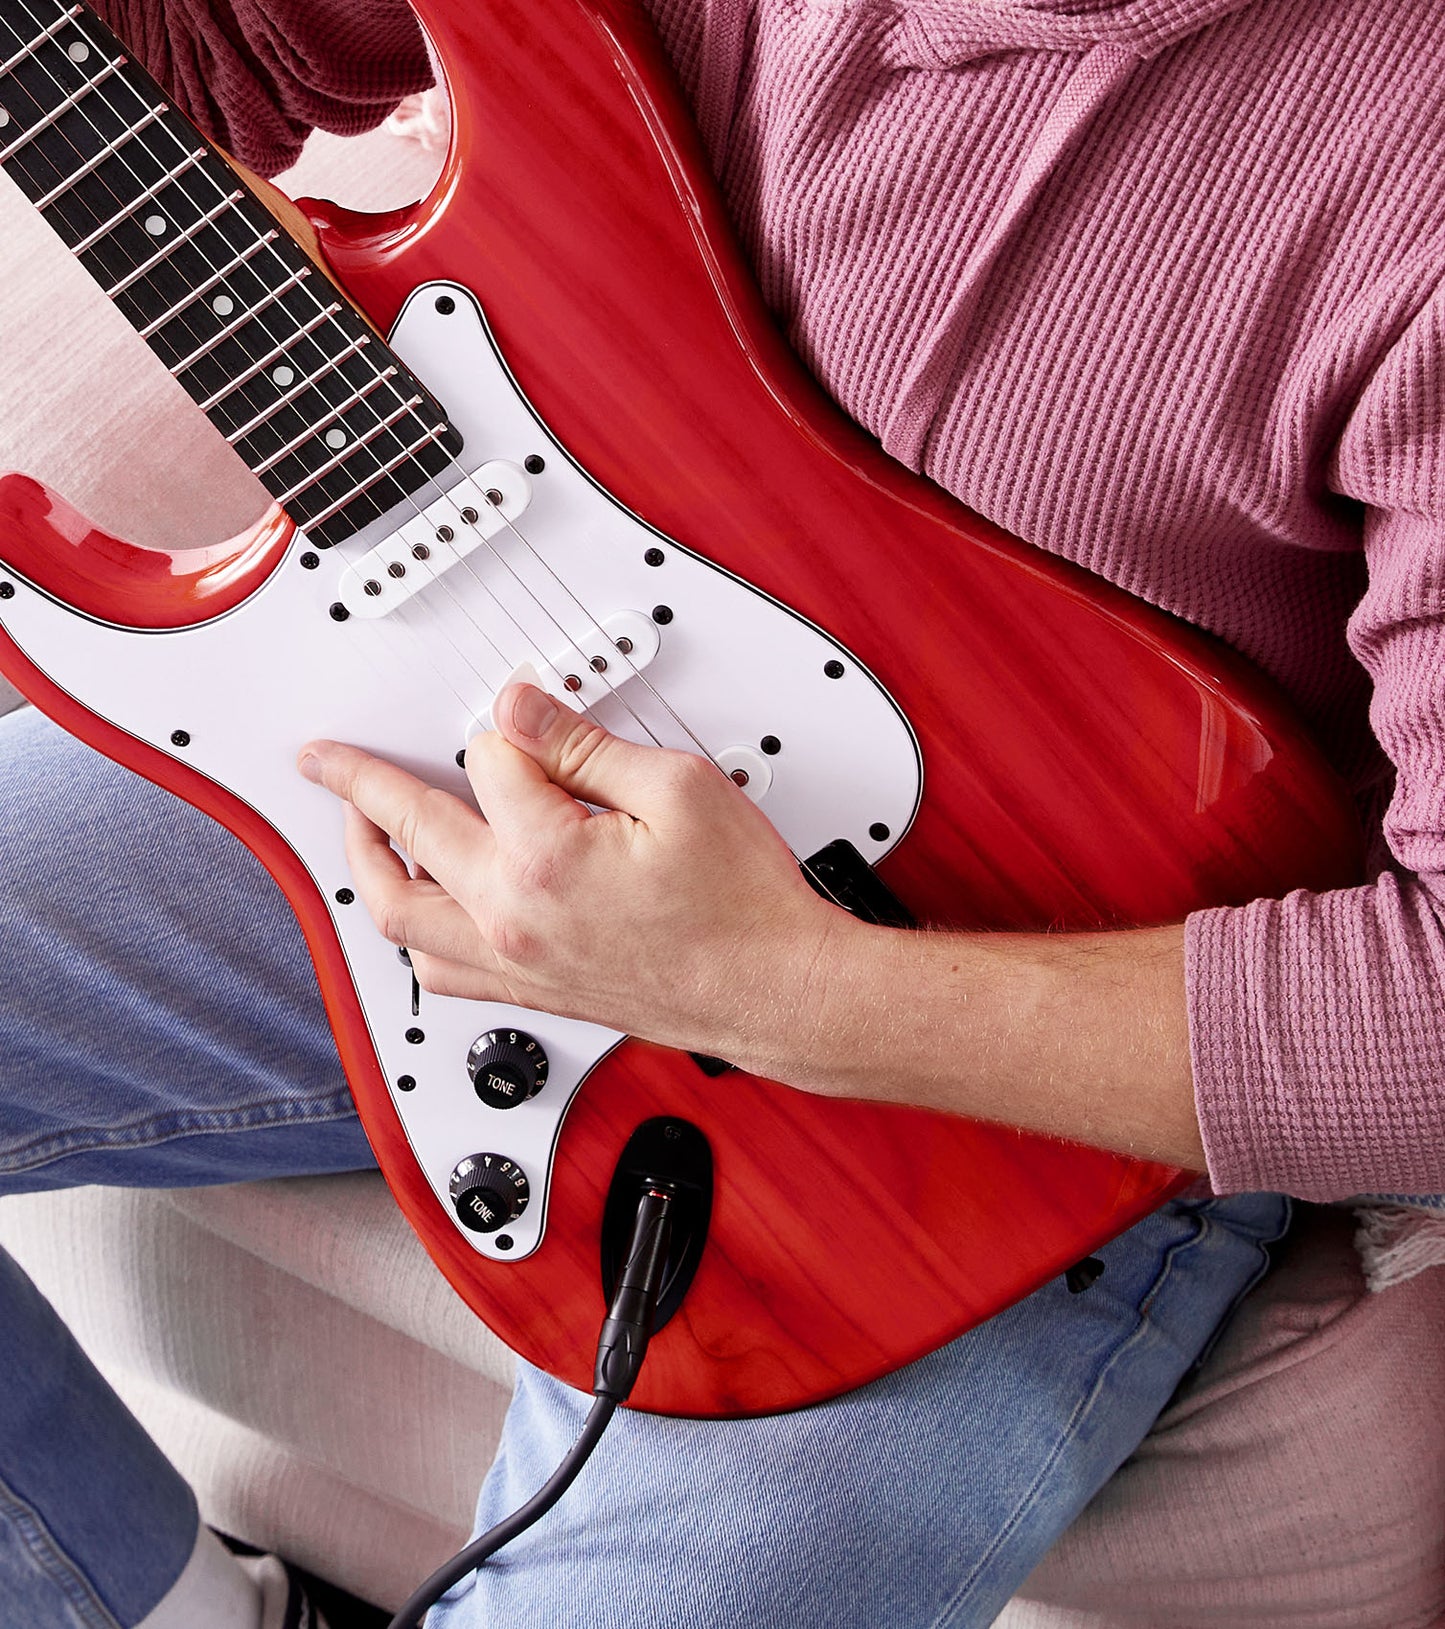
x,y
946,33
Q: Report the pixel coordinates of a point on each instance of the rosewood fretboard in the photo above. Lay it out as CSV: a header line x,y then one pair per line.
x,y
273,354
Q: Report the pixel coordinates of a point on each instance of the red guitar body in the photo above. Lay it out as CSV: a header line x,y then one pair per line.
x,y
1088,761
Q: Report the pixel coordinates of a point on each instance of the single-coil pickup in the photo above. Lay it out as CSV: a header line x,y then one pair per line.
x,y
615,648
432,542
618,647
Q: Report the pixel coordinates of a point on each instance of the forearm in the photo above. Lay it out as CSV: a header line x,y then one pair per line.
x,y
1081,1036
728,952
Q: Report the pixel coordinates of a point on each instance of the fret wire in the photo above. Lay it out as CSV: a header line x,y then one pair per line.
x,y
40,39
432,436
189,235
404,485
59,113
188,163
318,425
330,366
106,152
380,427
266,361
297,277
210,283
208,219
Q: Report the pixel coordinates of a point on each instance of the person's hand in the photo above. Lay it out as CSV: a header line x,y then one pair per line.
x,y
677,915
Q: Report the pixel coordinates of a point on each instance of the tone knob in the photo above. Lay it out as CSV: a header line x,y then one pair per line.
x,y
507,1067
488,1191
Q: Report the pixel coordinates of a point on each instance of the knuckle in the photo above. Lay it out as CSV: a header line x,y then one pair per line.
x,y
433,976
581,748
687,773
390,917
416,816
511,939
532,869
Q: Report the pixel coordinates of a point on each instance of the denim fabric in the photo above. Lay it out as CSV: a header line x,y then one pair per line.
x,y
161,1027
920,1502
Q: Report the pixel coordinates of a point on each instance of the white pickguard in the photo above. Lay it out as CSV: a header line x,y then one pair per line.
x,y
412,684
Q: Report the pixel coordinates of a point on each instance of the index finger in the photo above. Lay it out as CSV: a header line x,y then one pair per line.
x,y
439,832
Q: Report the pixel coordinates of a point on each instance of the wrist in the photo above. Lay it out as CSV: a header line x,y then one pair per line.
x,y
841,1016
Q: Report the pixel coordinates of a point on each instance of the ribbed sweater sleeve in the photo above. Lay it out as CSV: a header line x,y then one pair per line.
x,y
259,77
1318,1021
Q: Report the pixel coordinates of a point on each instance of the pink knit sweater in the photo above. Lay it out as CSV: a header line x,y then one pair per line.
x,y
1154,284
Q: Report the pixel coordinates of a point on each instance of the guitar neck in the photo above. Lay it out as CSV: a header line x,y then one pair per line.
x,y
274,355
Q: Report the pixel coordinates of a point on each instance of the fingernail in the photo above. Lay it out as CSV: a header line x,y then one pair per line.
x,y
532,712
310,766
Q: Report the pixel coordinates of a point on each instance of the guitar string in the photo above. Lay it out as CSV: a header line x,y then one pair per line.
x,y
466,705
372,501
368,406
609,686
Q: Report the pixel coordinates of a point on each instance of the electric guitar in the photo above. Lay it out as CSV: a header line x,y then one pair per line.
x,y
582,449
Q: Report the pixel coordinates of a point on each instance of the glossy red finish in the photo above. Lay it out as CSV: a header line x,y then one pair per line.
x,y
58,549
1088,760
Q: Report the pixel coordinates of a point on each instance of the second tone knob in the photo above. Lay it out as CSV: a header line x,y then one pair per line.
x,y
488,1191
507,1067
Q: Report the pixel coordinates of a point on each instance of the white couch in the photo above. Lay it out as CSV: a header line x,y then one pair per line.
x,y
294,1352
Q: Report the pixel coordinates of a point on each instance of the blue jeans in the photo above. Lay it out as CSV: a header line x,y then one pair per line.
x,y
161,1028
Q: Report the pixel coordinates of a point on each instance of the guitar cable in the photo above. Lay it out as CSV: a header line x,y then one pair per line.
x,y
621,1347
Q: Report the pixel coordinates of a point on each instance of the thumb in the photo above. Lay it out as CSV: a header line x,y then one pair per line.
x,y
576,754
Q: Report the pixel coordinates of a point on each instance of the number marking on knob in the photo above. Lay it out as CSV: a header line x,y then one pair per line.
x,y
507,1067
488,1191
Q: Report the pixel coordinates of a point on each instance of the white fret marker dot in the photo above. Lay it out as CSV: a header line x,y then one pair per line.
x,y
78,52
156,225
223,305
4,118
336,438
283,375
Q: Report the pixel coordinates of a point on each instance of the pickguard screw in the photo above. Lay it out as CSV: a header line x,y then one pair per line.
x,y
879,832
740,777
339,613
598,664
771,745
654,557
416,1036
445,304
419,551
624,645
445,534
461,758
662,614
493,496
7,591
572,682
469,515
344,896
310,561
834,670
372,587
406,1083
503,1241
396,569
180,738
534,464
